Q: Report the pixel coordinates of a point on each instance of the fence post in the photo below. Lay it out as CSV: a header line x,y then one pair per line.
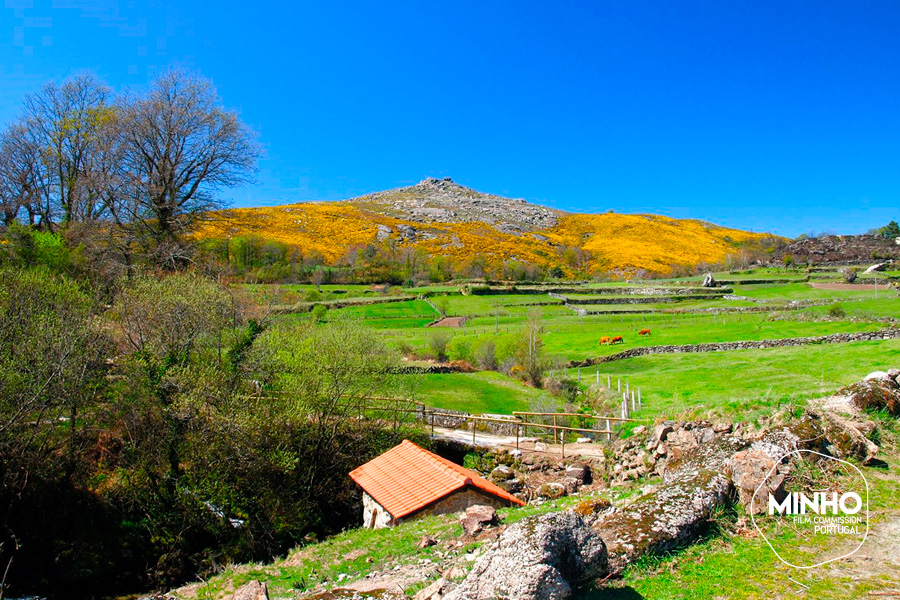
x,y
517,436
608,431
563,444
639,398
473,434
633,403
608,382
619,384
598,377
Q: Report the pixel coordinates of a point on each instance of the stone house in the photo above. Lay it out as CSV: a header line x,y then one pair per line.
x,y
408,481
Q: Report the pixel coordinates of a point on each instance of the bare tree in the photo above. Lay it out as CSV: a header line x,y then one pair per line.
x,y
20,174
179,147
64,123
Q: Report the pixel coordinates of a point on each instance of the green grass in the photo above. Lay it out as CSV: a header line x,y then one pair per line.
x,y
741,565
796,291
745,384
482,392
391,310
356,552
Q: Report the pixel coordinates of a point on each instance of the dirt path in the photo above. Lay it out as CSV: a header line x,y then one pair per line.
x,y
526,445
450,322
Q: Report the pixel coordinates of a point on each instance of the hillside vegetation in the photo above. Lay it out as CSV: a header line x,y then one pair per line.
x,y
480,233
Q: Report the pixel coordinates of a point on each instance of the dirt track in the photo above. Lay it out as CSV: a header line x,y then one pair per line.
x,y
450,322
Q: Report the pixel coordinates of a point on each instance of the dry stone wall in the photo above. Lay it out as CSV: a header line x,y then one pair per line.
x,y
834,338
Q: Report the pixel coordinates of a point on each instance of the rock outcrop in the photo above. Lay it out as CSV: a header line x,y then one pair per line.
x,y
693,486
542,557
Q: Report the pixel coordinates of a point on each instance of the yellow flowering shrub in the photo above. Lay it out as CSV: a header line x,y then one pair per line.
x,y
615,242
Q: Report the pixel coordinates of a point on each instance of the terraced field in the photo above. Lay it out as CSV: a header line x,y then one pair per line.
x,y
744,382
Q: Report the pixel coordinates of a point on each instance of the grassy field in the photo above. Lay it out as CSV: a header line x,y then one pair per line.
x,y
745,384
482,392
739,383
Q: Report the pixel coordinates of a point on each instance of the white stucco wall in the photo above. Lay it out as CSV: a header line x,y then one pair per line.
x,y
370,508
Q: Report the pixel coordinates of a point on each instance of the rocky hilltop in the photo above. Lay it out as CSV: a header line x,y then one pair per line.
x,y
484,234
444,201
842,249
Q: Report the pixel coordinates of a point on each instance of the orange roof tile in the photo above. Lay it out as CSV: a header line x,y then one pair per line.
x,y
407,478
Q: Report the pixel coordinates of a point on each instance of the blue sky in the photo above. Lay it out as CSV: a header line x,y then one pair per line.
x,y
774,116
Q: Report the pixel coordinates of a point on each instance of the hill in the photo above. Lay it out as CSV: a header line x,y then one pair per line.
x,y
442,218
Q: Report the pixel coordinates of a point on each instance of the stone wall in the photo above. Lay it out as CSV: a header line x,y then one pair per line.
x,y
458,419
459,501
376,517
834,338
643,299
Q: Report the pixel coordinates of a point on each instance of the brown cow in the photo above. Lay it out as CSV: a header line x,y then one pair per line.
x,y
644,332
604,340
617,340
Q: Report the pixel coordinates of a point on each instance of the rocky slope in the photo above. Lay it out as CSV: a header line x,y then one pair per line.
x,y
440,217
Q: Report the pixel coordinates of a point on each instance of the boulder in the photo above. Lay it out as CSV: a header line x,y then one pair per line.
x,y
579,471
571,484
253,590
538,558
749,469
660,432
513,486
874,393
673,513
500,473
477,517
435,591
425,541
552,490
709,281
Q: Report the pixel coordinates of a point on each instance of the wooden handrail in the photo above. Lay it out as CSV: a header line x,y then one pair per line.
x,y
539,414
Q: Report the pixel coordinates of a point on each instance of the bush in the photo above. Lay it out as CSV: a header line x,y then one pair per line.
x,y
849,274
318,313
460,348
837,311
437,342
485,355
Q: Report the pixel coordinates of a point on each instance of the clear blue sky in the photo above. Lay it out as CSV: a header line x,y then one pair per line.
x,y
777,116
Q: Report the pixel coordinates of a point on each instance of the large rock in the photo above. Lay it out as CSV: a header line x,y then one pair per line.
x,y
877,392
538,558
477,517
579,471
673,514
709,281
840,434
749,469
253,590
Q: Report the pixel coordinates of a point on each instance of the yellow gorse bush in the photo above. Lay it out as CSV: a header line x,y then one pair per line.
x,y
616,242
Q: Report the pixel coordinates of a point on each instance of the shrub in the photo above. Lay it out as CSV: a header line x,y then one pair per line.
x,y
437,342
318,313
460,348
837,311
849,274
485,355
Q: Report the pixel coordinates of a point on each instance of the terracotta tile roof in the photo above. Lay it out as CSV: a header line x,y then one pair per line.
x,y
407,478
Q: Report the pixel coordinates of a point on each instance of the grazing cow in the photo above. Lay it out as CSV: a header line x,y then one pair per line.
x,y
617,340
604,340
644,332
